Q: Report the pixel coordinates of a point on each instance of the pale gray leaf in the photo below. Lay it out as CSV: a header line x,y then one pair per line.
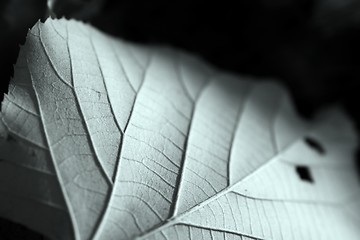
x,y
105,139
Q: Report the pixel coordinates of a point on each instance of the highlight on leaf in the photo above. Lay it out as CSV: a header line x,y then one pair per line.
x,y
106,139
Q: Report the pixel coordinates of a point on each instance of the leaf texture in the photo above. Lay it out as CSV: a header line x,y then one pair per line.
x,y
104,139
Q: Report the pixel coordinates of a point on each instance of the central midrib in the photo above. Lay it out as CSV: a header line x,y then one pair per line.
x,y
176,219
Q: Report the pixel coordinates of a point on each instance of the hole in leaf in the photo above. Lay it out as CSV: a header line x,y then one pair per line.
x,y
314,144
304,173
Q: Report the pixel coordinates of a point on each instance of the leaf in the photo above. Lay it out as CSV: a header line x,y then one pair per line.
x,y
104,139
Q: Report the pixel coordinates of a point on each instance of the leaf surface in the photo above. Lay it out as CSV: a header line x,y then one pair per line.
x,y
104,139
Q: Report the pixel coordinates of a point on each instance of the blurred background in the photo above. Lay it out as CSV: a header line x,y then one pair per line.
x,y
311,46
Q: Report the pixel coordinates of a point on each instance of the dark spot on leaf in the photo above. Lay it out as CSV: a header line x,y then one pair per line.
x,y
304,173
314,144
10,138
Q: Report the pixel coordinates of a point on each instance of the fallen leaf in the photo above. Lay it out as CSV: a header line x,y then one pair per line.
x,y
105,139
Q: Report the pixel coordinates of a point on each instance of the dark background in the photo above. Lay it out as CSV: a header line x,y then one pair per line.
x,y
311,46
